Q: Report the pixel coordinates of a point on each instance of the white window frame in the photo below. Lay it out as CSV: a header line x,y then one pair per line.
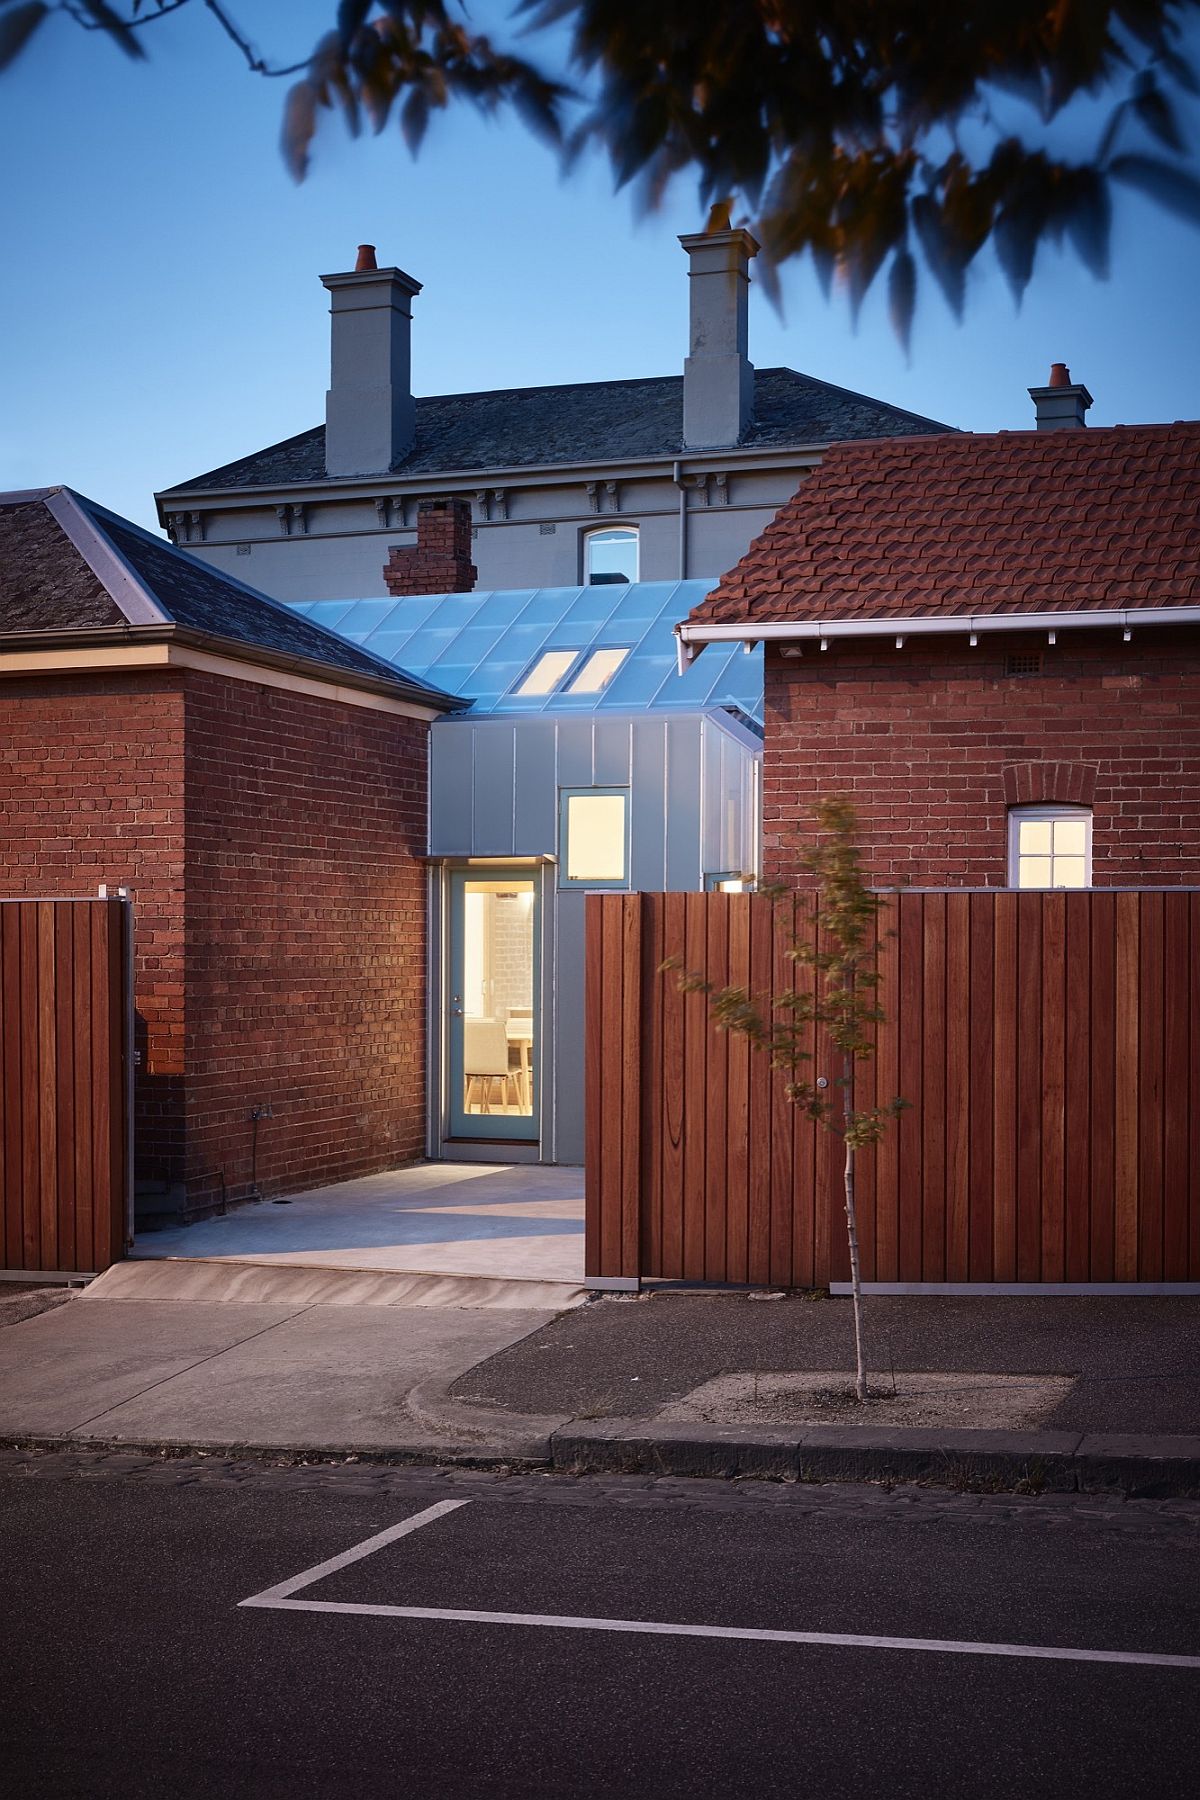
x,y
582,681
1047,813
609,530
521,691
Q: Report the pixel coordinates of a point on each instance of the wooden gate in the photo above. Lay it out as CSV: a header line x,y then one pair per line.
x,y
1048,1045
65,1078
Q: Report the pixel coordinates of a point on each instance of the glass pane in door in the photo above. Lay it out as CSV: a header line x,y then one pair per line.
x,y
493,1058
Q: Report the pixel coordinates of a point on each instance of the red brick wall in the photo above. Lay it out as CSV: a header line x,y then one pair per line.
x,y
305,937
440,560
91,791
934,742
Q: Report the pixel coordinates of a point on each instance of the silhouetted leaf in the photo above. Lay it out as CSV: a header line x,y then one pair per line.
x,y
1089,221
946,260
1171,187
902,295
414,118
1015,237
351,17
115,27
299,125
1156,113
17,27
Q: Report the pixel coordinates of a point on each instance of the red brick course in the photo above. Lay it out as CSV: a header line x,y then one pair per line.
x,y
91,792
935,742
305,937
270,842
440,560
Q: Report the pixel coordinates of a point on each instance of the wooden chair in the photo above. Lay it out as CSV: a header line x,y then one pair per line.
x,y
485,1061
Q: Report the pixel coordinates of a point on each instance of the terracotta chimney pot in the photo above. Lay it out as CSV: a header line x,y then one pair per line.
x,y
1060,375
365,260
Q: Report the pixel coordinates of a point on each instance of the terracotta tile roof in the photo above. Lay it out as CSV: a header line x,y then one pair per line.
x,y
1051,521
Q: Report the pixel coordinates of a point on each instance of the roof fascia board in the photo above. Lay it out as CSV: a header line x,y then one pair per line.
x,y
148,655
927,625
541,474
16,648
104,560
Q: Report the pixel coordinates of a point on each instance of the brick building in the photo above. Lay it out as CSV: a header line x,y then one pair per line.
x,y
259,785
992,643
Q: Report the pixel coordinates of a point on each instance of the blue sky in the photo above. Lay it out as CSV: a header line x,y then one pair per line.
x,y
162,311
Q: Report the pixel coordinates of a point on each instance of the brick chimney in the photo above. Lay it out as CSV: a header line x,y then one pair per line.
x,y
718,376
440,560
1061,404
370,420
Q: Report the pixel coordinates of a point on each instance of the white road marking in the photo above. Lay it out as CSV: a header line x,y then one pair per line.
x,y
279,1599
283,1590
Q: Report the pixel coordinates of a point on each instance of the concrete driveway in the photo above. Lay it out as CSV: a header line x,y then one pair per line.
x,y
515,1222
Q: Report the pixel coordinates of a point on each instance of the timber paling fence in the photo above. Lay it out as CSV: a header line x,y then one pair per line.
x,y
1048,1044
64,1083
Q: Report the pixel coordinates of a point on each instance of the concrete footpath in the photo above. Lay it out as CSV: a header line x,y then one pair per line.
x,y
1099,1393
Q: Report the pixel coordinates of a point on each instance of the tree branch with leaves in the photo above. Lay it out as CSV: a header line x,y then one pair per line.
x,y
842,1004
868,136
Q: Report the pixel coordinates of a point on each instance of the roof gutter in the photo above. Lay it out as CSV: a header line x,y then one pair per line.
x,y
691,638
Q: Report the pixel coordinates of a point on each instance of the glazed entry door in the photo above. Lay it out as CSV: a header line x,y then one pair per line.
x,y
492,1024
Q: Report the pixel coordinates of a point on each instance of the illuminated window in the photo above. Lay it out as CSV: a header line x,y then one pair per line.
x,y
610,554
598,671
547,671
729,884
594,837
1049,847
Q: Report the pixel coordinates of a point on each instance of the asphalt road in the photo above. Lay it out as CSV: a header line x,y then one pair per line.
x,y
129,1666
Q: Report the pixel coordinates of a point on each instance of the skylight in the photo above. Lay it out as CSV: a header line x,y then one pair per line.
x,y
547,672
598,671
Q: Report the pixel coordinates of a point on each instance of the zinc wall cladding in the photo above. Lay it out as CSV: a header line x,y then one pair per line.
x,y
934,743
92,792
305,938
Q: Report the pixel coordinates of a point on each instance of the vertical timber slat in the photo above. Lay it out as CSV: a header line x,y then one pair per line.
x,y
1048,1045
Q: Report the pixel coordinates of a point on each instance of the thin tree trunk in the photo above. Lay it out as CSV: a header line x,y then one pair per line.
x,y
860,1370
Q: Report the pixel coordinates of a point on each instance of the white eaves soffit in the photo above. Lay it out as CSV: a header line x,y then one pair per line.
x,y
691,638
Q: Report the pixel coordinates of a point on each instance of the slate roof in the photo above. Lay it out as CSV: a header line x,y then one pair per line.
x,y
482,645
588,422
45,583
67,565
1008,522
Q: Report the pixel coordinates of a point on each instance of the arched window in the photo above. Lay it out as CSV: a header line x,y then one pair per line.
x,y
1049,847
610,554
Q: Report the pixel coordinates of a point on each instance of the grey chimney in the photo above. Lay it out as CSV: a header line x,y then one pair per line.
x,y
370,420
1061,404
718,376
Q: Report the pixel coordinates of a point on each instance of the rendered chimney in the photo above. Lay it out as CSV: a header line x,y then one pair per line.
x,y
1062,403
440,560
370,420
718,376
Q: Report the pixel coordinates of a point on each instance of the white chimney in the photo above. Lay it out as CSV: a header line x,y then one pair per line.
x,y
1062,403
718,376
370,420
